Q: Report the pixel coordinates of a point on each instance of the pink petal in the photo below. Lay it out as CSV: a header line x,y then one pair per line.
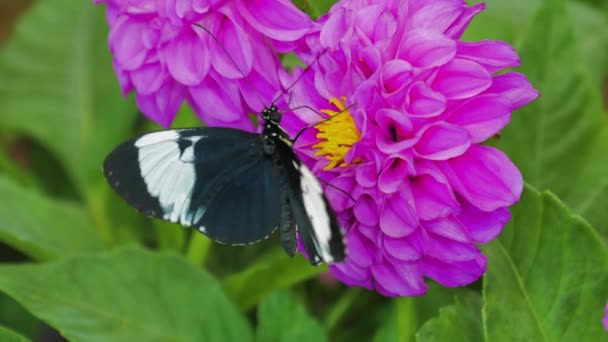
x,y
398,280
360,250
491,54
454,274
515,88
442,141
483,226
394,173
366,210
482,116
162,106
333,29
433,199
450,228
126,42
239,47
338,198
187,59
427,49
395,75
409,248
220,101
353,275
437,15
396,131
461,79
424,102
367,174
398,218
149,78
449,250
457,28
279,19
485,177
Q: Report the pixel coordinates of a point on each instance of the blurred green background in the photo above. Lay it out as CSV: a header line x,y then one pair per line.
x,y
76,262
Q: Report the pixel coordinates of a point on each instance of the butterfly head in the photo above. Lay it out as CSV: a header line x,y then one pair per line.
x,y
271,114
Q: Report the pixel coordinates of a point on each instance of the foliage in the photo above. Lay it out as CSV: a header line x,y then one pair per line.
x,y
64,259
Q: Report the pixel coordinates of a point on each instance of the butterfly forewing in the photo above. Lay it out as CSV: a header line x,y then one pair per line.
x,y
314,216
216,179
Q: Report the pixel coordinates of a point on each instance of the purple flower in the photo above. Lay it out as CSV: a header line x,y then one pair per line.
x,y
160,54
410,104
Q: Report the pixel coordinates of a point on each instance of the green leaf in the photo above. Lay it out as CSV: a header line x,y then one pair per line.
x,y
58,85
410,314
560,140
41,227
457,322
315,8
126,295
7,335
281,318
502,20
278,271
591,30
14,315
547,275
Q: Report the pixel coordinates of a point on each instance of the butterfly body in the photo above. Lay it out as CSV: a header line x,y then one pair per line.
x,y
234,186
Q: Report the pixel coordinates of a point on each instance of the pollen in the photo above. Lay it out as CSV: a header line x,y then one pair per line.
x,y
337,134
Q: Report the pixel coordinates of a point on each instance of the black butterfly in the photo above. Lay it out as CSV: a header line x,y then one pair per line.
x,y
234,186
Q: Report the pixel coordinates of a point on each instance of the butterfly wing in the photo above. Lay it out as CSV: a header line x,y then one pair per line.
x,y
314,216
216,179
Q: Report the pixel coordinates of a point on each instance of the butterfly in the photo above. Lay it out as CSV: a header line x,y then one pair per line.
x,y
234,186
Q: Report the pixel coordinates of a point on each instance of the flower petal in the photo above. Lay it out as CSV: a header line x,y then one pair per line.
x,y
219,102
238,50
482,116
426,49
483,226
163,105
433,199
424,102
442,141
454,274
279,19
485,177
491,54
515,88
461,79
398,280
187,59
126,42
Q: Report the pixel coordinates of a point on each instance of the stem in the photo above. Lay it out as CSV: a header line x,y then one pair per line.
x,y
198,248
97,208
339,309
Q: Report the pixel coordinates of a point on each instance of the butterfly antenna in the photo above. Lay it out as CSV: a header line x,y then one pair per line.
x,y
324,120
233,62
338,189
297,79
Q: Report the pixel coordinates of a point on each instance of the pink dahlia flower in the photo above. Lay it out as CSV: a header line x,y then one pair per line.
x,y
160,54
410,106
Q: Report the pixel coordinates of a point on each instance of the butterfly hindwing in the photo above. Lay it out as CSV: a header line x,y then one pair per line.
x,y
215,179
314,216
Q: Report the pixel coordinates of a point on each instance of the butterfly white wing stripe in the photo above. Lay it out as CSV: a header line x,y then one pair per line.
x,y
168,174
315,205
157,137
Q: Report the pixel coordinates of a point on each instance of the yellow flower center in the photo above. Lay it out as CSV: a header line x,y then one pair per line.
x,y
337,134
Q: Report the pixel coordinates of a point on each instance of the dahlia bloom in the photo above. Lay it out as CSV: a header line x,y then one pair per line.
x,y
159,53
405,107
